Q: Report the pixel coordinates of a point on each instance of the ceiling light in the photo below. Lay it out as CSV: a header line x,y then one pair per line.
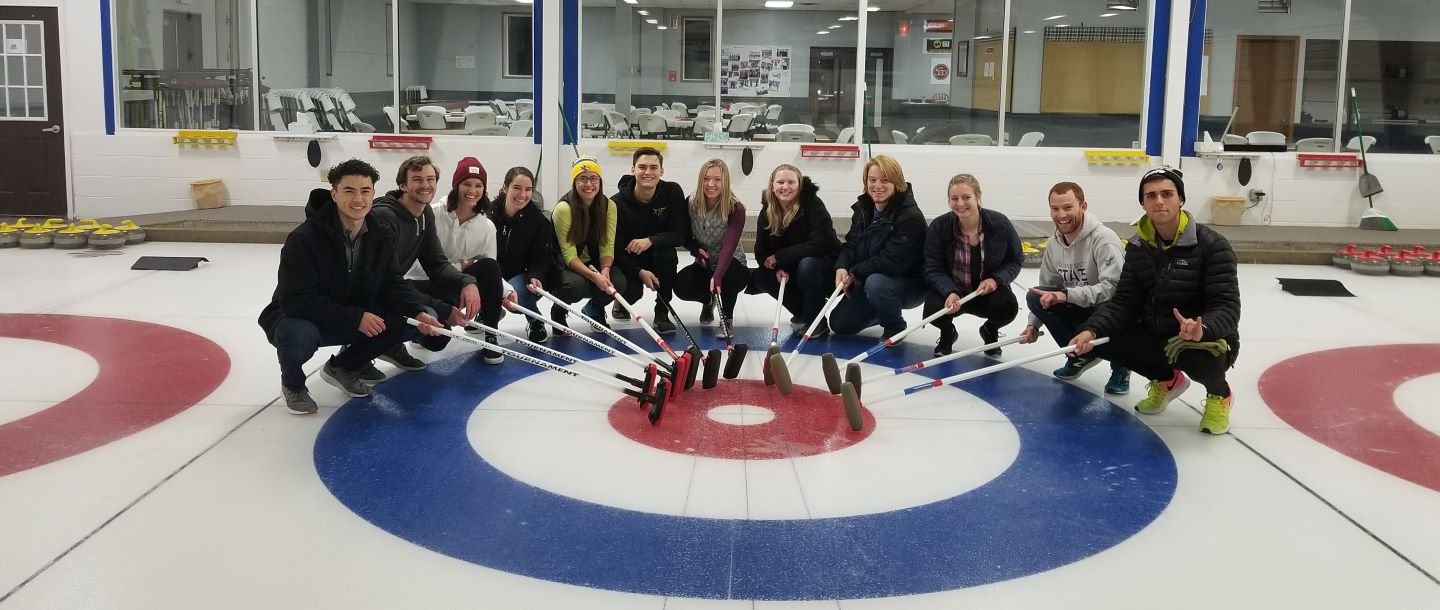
x,y
1063,25
643,12
1108,14
1028,32
1053,17
779,3
873,9
652,21
525,1
661,27
848,18
823,32
835,27
631,1
1123,5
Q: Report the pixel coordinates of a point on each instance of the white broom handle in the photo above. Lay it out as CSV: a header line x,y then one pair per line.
x,y
623,341
830,303
779,304
544,364
940,360
982,372
944,311
540,348
645,324
581,336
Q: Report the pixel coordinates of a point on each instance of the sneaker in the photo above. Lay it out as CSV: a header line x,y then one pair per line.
x,y
946,345
537,332
558,315
663,325
598,315
821,331
492,356
371,375
990,335
1074,367
348,381
617,311
1119,383
299,401
725,330
796,321
1162,392
707,313
400,357
888,333
1217,414
473,330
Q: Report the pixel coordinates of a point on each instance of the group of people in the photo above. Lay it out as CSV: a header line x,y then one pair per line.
x,y
1168,301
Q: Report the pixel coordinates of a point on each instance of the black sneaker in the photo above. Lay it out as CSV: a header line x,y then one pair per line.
x,y
401,357
492,356
797,322
299,401
707,312
598,315
887,333
946,345
537,332
348,381
617,311
371,375
663,325
989,335
821,331
558,315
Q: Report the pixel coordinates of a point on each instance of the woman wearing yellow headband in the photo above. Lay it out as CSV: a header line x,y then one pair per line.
x,y
585,229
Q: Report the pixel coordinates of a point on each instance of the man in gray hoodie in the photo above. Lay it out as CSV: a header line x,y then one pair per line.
x,y
1079,270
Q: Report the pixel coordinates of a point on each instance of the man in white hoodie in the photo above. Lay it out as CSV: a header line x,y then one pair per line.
x,y
1079,271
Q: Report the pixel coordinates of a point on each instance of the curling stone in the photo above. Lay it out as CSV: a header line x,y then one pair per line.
x,y
71,238
1406,265
9,236
1032,255
89,224
37,237
1343,256
21,224
1432,264
134,234
54,224
106,238
1370,263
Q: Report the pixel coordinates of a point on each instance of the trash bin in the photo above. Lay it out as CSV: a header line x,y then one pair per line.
x,y
1226,210
209,194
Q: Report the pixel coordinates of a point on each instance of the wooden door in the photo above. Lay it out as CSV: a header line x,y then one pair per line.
x,y
32,159
1266,71
986,74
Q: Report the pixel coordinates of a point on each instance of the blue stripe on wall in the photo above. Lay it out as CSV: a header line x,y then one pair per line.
x,y
570,69
1159,52
537,70
1194,55
107,67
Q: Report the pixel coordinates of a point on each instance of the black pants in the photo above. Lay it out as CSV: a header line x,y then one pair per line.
x,y
296,340
487,280
663,262
811,281
997,308
574,287
693,284
1142,351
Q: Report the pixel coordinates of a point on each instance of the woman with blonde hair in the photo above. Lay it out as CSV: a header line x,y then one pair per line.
x,y
717,219
795,240
880,265
972,249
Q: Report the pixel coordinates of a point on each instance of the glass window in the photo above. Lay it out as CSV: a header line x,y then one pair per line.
x,y
460,72
323,65
1394,68
699,44
631,64
22,53
791,66
1275,67
185,66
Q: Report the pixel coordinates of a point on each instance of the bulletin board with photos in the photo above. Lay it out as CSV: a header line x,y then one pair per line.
x,y
755,70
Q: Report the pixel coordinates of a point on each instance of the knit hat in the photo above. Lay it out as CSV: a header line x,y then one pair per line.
x,y
469,167
1170,174
583,164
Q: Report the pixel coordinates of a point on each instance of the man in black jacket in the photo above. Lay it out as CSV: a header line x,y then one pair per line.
x,y
337,285
1176,312
883,254
653,221
406,211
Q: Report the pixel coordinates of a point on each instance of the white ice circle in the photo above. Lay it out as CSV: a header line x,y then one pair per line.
x,y
40,374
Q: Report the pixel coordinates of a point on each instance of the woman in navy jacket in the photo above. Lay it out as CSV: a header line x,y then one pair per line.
x,y
971,249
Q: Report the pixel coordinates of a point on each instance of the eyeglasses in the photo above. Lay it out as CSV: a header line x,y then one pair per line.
x,y
588,180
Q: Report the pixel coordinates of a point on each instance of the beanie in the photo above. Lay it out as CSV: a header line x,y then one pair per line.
x,y
1170,174
469,167
583,164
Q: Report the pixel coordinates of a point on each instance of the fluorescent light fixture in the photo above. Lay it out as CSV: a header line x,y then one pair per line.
x,y
652,21
823,32
1028,32
1123,5
872,9
1053,17
837,26
643,12
779,3
661,27
1108,14
631,1
526,1
1063,25
848,18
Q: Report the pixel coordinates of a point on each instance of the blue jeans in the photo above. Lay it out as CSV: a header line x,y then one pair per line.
x,y
521,284
879,301
811,280
296,340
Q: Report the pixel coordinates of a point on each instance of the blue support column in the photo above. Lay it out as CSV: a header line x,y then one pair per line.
x,y
1159,56
1193,60
570,70
108,66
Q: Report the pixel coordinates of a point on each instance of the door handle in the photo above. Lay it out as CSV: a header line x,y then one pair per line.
x,y
52,129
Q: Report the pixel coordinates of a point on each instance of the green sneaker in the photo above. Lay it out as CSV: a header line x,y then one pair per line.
x,y
1217,414
1162,392
1119,383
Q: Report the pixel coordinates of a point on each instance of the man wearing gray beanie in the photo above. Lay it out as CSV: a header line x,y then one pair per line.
x,y
1175,315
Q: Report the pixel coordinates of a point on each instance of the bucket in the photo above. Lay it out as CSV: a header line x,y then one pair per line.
x,y
1226,210
208,194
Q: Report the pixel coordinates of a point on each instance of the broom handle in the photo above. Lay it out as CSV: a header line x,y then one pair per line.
x,y
555,353
779,304
981,372
830,304
645,324
608,331
544,364
581,336
943,311
941,360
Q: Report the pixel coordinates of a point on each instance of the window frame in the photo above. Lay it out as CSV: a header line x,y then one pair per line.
x,y
506,67
711,65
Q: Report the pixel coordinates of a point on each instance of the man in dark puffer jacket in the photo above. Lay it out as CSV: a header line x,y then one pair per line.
x,y
1179,291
